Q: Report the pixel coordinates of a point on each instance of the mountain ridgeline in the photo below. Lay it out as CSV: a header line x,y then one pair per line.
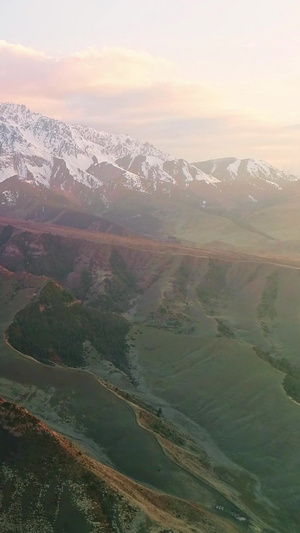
x,y
100,171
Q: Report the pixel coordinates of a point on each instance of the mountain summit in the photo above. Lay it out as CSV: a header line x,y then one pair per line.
x,y
231,169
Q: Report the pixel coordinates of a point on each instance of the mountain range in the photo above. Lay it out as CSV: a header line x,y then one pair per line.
x,y
79,160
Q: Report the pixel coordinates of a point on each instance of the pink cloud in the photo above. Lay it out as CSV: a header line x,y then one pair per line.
x,y
26,73
134,92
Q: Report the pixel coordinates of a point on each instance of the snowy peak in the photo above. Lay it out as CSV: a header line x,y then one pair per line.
x,y
17,114
248,183
61,138
116,144
49,152
230,169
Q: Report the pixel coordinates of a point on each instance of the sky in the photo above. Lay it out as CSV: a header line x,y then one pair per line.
x,y
199,79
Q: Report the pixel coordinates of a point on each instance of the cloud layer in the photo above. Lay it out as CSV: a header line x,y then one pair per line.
x,y
135,92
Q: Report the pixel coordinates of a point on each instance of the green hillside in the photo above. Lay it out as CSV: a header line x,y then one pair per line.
x,y
54,327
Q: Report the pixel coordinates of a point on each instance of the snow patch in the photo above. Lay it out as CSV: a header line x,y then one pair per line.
x,y
274,184
9,198
234,167
252,198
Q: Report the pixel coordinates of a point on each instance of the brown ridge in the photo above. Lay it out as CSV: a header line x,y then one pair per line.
x,y
148,245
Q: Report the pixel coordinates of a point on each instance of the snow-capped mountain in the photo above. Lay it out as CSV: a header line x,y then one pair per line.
x,y
54,154
79,160
232,169
249,182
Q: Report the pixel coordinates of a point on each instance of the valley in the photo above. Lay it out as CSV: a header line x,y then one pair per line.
x,y
75,404
149,336
198,322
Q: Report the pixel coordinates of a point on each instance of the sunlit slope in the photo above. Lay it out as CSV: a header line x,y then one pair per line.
x,y
281,221
187,221
272,230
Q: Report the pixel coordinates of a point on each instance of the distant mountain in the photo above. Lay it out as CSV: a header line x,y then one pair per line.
x,y
232,169
50,171
249,180
75,159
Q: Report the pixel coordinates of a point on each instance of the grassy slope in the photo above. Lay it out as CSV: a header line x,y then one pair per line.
x,y
272,230
185,220
234,306
220,382
44,483
48,485
73,402
280,221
